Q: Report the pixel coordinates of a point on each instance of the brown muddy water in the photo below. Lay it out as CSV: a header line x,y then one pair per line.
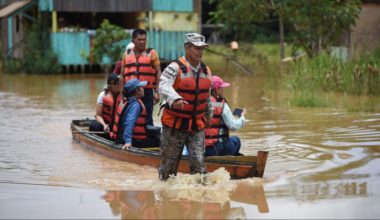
x,y
323,163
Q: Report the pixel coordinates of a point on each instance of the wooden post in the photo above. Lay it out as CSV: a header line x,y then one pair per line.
x,y
282,39
260,163
10,35
54,24
150,16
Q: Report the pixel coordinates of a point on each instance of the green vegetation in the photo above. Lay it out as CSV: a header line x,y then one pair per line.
x,y
107,43
38,54
311,26
308,22
323,74
255,57
322,81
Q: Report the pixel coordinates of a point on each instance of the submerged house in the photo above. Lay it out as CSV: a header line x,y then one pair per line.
x,y
15,18
365,36
73,24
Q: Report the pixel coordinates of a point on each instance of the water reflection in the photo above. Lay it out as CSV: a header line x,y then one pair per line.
x,y
171,204
322,191
316,154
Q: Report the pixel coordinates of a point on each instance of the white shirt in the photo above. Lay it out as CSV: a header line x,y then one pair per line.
x,y
230,121
130,46
100,98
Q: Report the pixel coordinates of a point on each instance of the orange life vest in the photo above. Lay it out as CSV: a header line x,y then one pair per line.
x,y
139,68
212,134
110,107
194,88
139,132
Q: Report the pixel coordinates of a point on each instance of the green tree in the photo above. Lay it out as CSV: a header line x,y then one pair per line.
x,y
315,24
107,43
240,17
318,24
39,57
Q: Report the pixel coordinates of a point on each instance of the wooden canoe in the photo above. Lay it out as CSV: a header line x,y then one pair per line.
x,y
238,166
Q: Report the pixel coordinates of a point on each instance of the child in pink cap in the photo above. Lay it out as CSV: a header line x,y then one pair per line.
x,y
217,141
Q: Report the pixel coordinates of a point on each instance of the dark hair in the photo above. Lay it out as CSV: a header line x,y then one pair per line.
x,y
213,92
138,31
218,97
127,94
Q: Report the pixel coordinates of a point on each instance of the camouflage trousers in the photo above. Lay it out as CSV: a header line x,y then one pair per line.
x,y
172,143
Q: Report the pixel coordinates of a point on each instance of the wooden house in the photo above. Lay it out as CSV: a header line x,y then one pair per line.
x,y
14,19
365,35
73,23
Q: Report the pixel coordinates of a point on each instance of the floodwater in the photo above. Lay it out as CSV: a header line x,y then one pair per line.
x,y
323,163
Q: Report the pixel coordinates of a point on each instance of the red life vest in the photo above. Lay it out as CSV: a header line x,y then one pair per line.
x,y
212,134
139,132
110,107
139,68
194,88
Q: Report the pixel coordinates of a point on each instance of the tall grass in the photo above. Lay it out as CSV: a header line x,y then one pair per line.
x,y
311,79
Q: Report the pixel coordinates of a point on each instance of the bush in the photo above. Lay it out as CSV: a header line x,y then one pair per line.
x,y
108,43
39,57
38,54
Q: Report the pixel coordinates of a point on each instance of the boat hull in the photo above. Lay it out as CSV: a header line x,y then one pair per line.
x,y
238,166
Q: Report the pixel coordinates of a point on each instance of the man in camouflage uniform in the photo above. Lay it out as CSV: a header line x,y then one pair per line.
x,y
178,130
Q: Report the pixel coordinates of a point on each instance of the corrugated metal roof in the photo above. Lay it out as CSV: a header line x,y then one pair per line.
x,y
101,5
13,7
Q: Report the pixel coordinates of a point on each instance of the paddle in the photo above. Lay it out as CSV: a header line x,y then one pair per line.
x,y
89,132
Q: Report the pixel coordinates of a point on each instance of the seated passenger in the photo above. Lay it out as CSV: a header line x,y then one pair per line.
x,y
129,128
106,106
217,140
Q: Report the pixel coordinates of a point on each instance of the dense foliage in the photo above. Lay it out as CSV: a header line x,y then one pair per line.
x,y
107,42
39,57
313,24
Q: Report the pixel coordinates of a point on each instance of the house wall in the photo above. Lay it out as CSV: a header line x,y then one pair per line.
x,y
168,44
174,21
366,34
18,35
172,5
171,19
4,35
70,46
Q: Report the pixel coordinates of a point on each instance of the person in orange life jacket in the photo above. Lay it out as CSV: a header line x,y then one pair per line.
x,y
106,106
144,64
185,86
130,122
217,140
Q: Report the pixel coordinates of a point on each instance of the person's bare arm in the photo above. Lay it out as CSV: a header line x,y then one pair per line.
x,y
99,117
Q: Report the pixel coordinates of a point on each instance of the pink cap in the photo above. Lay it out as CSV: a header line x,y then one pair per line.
x,y
217,82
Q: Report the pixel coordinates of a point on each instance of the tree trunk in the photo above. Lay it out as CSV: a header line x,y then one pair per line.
x,y
281,30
